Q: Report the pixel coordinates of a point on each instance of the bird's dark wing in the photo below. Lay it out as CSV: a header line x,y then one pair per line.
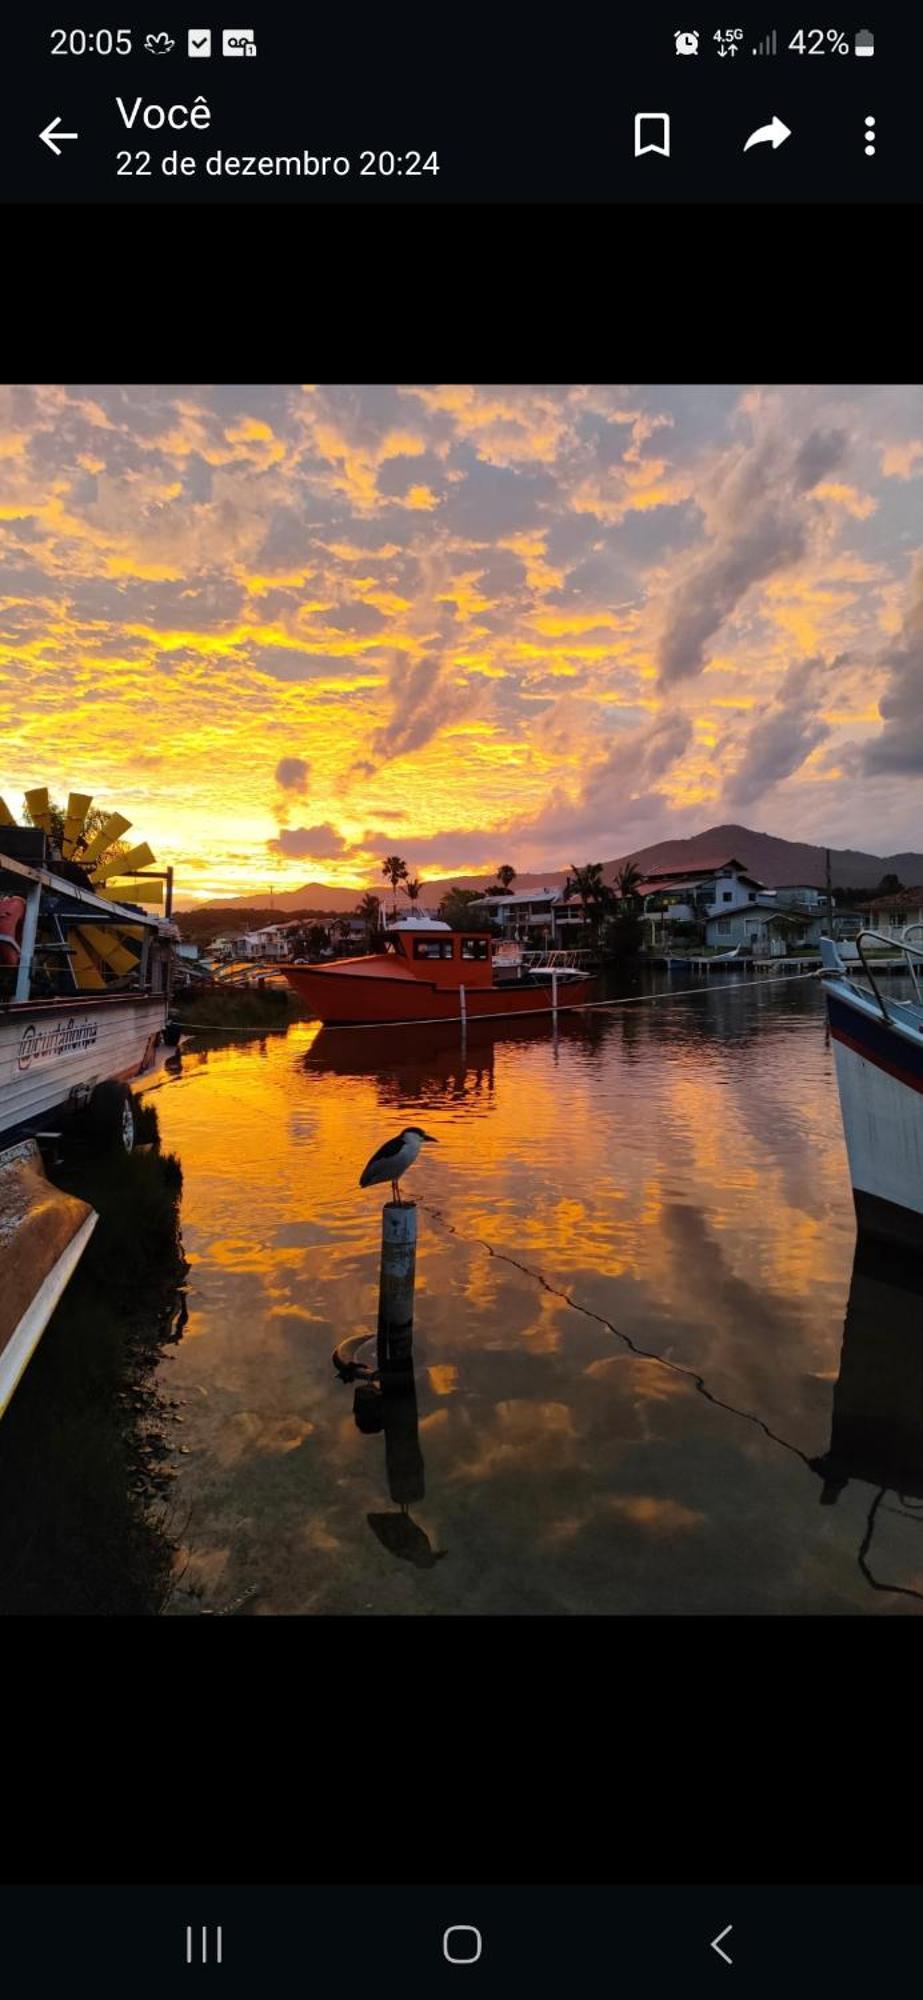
x,y
386,1152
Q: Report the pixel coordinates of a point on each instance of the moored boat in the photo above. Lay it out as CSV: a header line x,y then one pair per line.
x,y
85,975
43,1235
428,972
878,1050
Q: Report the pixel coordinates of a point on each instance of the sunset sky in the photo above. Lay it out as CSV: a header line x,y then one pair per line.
x,y
290,630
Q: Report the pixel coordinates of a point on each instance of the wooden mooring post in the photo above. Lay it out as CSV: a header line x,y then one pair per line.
x,y
396,1282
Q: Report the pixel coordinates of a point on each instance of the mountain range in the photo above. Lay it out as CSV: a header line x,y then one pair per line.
x,y
773,861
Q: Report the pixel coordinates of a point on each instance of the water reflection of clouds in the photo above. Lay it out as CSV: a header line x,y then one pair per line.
x,y
685,1185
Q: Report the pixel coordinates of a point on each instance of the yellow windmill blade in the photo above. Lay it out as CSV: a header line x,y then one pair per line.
x,y
145,889
78,805
123,864
86,971
107,946
111,829
6,817
39,808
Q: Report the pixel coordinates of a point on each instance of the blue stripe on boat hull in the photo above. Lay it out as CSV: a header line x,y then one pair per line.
x,y
877,1042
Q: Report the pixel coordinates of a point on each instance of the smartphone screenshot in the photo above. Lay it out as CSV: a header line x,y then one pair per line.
x,y
487,112
461,998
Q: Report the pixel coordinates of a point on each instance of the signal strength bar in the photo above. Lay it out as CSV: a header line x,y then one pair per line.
x,y
768,46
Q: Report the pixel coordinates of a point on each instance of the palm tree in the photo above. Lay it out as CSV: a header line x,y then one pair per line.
x,y
370,911
627,882
412,889
396,871
595,895
506,876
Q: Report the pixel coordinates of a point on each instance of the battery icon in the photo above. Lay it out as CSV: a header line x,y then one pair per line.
x,y
865,42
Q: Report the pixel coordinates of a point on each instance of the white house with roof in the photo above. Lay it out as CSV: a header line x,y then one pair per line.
x,y
764,927
270,942
687,895
892,914
536,916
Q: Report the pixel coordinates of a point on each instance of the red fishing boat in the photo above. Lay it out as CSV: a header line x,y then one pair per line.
x,y
428,972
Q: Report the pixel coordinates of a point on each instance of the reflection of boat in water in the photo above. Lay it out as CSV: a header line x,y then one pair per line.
x,y
43,1235
415,1060
877,1424
428,972
878,1048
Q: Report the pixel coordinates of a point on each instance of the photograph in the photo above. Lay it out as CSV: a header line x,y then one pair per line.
x,y
461,1000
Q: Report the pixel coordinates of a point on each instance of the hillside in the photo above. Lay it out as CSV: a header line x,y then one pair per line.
x,y
772,860
776,862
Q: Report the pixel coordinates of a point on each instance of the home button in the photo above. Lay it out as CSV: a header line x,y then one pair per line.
x,y
462,1944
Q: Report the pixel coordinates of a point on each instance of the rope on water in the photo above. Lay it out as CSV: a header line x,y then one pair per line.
x,y
645,1353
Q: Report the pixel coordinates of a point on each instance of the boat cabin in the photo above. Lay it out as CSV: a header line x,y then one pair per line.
x,y
431,950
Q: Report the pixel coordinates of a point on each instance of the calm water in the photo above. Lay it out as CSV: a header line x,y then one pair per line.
x,y
678,1170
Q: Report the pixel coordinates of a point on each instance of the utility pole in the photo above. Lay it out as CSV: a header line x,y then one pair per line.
x,y
829,893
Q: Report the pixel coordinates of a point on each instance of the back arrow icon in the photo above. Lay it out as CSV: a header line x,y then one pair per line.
x,y
776,132
51,133
716,1944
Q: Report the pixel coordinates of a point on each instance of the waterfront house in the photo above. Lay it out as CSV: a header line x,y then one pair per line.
x,y
536,917
806,895
766,929
692,895
892,914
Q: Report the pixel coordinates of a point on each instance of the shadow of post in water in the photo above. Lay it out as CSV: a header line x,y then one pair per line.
x,y
397,1533
385,1399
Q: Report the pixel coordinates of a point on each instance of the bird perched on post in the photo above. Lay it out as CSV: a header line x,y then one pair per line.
x,y
394,1157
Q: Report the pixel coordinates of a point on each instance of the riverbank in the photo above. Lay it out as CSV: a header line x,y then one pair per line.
x,y
85,1518
260,1009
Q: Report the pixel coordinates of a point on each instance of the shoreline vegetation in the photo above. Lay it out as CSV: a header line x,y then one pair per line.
x,y
257,1009
85,1524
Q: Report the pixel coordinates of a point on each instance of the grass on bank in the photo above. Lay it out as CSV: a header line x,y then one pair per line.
x,y
265,1008
83,1527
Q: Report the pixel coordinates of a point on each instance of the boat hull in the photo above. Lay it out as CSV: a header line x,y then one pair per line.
x,y
52,1055
880,1079
356,999
43,1235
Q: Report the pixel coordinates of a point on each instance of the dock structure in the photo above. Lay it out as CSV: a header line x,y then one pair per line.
x,y
757,965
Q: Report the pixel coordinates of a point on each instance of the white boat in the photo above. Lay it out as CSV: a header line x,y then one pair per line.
x,y
878,1050
84,993
49,1232
85,983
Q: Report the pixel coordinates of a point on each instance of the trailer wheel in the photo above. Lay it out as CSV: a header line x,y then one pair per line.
x,y
112,1115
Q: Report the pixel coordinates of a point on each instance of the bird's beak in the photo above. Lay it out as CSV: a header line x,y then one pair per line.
x,y
430,1140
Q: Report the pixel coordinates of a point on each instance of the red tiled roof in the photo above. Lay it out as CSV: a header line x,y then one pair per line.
x,y
906,899
707,867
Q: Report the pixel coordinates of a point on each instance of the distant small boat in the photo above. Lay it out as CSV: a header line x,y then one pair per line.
x,y
878,1049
